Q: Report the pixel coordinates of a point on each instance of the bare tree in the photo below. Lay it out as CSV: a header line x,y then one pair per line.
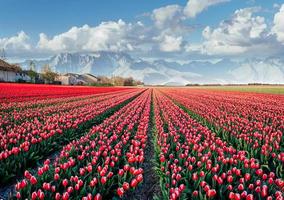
x,y
48,74
32,65
118,81
32,73
129,82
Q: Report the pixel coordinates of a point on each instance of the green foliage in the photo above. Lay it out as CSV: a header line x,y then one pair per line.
x,y
270,89
101,84
48,74
32,74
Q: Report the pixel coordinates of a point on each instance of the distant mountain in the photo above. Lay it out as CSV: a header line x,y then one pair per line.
x,y
164,72
110,63
259,71
101,63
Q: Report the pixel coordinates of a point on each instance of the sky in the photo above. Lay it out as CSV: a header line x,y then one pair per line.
x,y
180,30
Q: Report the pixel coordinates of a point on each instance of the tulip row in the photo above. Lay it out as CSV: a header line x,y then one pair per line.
x,y
194,163
248,121
24,145
104,163
44,125
39,110
14,95
34,103
20,120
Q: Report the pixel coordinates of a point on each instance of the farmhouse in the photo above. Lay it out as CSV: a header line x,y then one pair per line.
x,y
11,73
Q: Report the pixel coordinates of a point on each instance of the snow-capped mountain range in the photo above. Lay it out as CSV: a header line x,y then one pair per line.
x,y
164,72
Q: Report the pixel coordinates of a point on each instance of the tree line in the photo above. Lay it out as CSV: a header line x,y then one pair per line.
x,y
117,81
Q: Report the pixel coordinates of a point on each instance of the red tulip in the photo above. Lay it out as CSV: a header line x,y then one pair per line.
x,y
249,197
264,191
65,196
65,183
247,177
41,195
195,193
162,159
89,168
126,167
77,187
120,172
125,186
120,192
57,196
241,187
33,180
194,177
103,180
211,193
56,177
133,183
231,195
27,174
244,194
178,177
70,189
139,178
23,184
18,195
98,197
34,195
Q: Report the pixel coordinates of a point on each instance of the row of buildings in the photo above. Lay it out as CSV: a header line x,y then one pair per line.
x,y
14,73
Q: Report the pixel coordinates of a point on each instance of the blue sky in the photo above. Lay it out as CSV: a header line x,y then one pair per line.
x,y
133,26
56,16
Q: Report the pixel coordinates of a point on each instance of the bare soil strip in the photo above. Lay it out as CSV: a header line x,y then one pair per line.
x,y
150,188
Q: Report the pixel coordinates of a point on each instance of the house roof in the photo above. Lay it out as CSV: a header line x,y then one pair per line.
x,y
4,66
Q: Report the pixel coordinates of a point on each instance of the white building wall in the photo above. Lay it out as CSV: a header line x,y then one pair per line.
x,y
65,80
8,76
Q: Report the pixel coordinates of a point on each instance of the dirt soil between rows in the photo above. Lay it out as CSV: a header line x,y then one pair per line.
x,y
150,185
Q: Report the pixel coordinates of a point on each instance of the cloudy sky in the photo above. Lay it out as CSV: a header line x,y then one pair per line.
x,y
178,30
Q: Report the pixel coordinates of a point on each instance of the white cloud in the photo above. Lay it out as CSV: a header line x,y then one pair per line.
x,y
244,33
276,5
240,34
194,7
278,27
108,36
16,44
169,30
169,43
167,15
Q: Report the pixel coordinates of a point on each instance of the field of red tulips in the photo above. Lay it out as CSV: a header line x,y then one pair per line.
x,y
250,122
108,143
197,162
